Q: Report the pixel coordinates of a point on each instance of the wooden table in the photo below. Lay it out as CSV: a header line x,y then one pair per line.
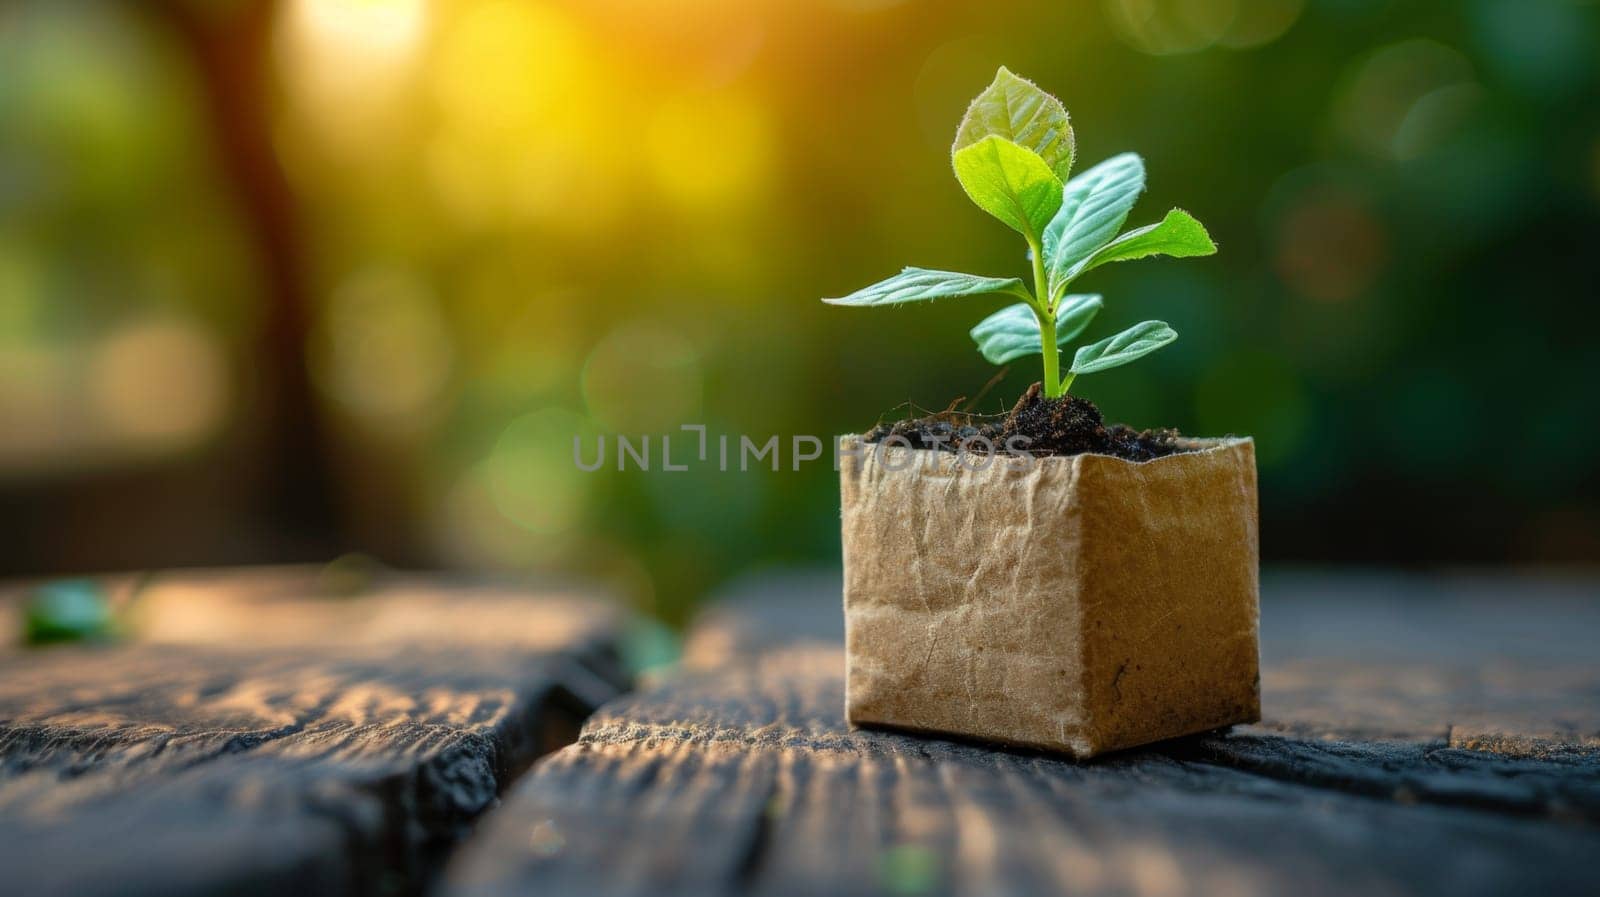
x,y
1435,735
1422,736
257,738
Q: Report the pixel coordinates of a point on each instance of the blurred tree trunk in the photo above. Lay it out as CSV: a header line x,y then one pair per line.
x,y
229,46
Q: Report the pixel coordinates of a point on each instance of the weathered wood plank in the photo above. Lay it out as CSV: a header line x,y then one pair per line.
x,y
742,777
748,781
256,740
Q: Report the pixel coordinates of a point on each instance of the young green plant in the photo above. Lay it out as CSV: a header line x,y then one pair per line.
x,y
1013,155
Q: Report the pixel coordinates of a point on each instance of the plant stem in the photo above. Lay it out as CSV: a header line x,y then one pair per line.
x,y
1052,356
1047,325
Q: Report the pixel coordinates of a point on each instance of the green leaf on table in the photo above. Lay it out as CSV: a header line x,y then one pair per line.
x,y
1009,182
1093,206
1178,235
66,610
1016,109
1013,331
922,284
1134,343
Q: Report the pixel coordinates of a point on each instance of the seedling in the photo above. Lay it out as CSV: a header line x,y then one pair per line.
x,y
1013,155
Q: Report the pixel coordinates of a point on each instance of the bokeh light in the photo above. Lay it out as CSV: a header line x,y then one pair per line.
x,y
1330,244
1259,22
1164,27
1405,97
642,379
530,471
161,383
345,64
382,348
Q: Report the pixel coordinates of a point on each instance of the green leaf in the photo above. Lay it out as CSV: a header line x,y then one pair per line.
x,y
1093,207
1134,343
1013,331
1008,334
1178,235
1009,182
67,611
1017,110
1073,314
921,284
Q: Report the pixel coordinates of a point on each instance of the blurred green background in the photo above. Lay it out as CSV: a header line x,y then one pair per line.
x,y
285,280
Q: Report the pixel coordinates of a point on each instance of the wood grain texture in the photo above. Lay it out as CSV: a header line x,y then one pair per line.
x,y
742,777
257,740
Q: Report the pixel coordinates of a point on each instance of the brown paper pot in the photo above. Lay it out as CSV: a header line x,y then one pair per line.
x,y
1081,604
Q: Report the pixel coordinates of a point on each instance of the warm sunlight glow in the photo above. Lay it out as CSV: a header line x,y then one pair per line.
x,y
527,119
709,152
363,29
345,66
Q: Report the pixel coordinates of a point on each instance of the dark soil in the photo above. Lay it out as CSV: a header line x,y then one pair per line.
x,y
1065,426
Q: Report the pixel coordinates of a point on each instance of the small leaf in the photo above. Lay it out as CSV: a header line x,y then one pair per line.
x,y
1093,207
1016,109
1178,235
1073,314
1129,345
1008,334
921,284
1009,182
1013,331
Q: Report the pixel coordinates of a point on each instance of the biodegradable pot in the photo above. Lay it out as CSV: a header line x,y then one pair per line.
x,y
1081,603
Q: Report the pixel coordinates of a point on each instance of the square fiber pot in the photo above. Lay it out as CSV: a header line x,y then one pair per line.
x,y
1080,604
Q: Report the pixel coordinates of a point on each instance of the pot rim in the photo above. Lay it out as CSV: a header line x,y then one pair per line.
x,y
1206,445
